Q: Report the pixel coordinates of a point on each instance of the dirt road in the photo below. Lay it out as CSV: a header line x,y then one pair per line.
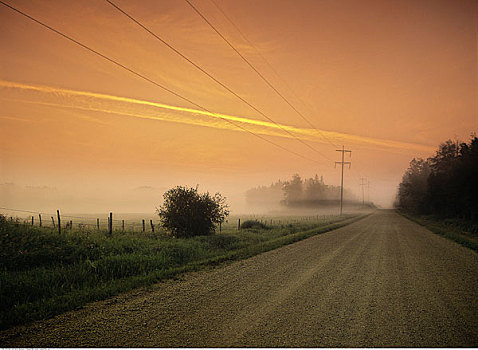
x,y
383,281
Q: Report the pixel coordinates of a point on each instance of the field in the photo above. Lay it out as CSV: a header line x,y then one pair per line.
x,y
45,274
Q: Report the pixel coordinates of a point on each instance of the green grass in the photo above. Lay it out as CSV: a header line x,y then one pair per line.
x,y
43,274
460,231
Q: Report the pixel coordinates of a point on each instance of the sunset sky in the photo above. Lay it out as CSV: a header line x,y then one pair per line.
x,y
389,80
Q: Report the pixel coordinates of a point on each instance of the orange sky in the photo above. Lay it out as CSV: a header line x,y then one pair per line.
x,y
388,79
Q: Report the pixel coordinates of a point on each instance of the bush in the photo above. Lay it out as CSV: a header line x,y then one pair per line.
x,y
253,224
187,213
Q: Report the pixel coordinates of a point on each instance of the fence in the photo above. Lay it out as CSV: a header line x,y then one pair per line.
x,y
106,223
134,223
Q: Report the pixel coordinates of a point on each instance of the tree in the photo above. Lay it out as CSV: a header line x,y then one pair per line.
x,y
445,185
314,188
453,185
414,186
293,189
187,213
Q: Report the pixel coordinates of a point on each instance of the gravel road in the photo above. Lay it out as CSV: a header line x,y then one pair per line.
x,y
383,281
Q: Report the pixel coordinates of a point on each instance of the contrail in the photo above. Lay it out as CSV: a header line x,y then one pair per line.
x,y
130,107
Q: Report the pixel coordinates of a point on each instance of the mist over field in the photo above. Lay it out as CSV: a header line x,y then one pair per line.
x,y
141,199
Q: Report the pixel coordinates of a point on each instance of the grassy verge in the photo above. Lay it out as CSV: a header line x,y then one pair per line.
x,y
43,274
462,232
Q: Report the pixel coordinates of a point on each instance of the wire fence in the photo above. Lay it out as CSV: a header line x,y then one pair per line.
x,y
90,222
110,223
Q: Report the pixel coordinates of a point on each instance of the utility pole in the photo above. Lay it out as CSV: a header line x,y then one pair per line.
x,y
362,183
342,179
368,191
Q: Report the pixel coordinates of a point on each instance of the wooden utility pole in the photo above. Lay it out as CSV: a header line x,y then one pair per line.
x,y
368,191
362,184
342,178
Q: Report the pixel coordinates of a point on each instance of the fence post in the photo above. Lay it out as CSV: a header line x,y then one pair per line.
x,y
39,215
71,224
239,224
32,220
152,226
220,228
143,225
98,223
122,224
53,221
111,224
59,221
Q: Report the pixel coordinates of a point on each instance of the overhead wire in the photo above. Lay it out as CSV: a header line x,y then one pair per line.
x,y
249,63
136,21
130,70
256,70
271,68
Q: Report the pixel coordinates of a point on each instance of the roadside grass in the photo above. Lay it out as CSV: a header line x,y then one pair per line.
x,y
460,231
43,274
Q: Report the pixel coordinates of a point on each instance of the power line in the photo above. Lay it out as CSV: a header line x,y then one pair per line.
x,y
250,64
149,80
271,68
209,75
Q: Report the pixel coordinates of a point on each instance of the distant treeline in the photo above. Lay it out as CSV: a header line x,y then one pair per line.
x,y
445,185
297,192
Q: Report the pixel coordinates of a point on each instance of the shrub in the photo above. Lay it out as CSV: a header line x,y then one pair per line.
x,y
253,224
187,213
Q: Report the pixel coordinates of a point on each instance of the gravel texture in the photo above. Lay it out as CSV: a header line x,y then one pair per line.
x,y
383,281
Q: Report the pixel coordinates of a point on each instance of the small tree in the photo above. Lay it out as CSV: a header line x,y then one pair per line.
x,y
187,213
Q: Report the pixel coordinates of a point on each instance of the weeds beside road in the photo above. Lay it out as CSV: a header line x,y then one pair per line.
x,y
44,274
460,231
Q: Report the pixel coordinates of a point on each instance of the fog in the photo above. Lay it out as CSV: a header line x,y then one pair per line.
x,y
389,81
90,199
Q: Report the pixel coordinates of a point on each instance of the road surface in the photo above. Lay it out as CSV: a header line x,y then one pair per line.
x,y
383,281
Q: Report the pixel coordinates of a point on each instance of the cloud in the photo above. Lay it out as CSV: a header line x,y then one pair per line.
x,y
14,118
135,108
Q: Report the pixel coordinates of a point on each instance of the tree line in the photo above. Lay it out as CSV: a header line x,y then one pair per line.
x,y
445,185
297,192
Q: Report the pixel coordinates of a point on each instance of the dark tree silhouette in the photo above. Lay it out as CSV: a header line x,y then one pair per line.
x,y
300,192
293,189
445,185
187,213
413,188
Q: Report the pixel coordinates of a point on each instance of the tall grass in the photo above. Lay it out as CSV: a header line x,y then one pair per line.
x,y
43,273
464,232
